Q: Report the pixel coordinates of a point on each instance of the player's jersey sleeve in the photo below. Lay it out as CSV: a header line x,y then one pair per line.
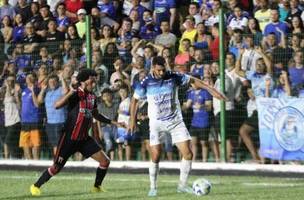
x,y
180,79
73,101
141,89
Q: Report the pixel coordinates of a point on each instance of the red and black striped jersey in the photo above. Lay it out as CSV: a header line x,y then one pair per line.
x,y
79,120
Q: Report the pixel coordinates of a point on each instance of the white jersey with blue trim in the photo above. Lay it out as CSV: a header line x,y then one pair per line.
x,y
162,96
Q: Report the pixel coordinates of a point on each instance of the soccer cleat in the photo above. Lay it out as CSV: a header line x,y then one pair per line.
x,y
184,189
97,189
35,191
152,193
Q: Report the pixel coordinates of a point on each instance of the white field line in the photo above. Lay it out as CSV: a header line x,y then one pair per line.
x,y
273,184
89,163
111,179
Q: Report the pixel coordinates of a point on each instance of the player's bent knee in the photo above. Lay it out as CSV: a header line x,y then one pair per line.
x,y
188,156
104,164
55,169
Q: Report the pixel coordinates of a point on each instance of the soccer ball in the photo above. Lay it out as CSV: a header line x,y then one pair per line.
x,y
201,187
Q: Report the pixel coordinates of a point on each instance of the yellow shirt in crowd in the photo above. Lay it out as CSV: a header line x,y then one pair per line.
x,y
189,35
263,18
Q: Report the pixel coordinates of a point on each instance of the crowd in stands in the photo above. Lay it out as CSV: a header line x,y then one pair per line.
x,y
42,48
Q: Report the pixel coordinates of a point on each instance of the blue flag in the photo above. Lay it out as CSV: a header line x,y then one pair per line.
x,y
281,128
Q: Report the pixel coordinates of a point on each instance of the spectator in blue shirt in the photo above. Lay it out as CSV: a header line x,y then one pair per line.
x,y
31,120
200,101
282,89
107,8
62,20
49,94
139,8
148,31
296,72
125,33
260,78
275,24
44,60
7,10
22,61
18,31
164,10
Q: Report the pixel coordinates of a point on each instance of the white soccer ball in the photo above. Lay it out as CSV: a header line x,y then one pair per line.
x,y
201,187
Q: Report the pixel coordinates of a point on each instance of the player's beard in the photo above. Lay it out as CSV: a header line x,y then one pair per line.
x,y
158,76
89,87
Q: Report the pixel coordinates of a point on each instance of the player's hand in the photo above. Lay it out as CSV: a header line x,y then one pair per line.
x,y
118,124
285,75
17,88
131,128
267,83
44,85
221,96
218,94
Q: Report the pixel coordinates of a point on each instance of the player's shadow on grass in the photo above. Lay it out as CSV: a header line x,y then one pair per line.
x,y
54,196
22,197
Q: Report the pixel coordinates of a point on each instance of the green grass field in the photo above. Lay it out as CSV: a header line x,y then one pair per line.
x,y
15,185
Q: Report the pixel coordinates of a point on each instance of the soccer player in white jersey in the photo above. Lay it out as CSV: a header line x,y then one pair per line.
x,y
160,88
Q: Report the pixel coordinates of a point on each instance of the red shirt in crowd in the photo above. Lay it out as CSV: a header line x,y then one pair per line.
x,y
73,5
214,48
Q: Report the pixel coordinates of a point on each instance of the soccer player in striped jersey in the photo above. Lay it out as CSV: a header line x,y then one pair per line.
x,y
82,108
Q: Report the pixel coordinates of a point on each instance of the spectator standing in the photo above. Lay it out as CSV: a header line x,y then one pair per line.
x,y
72,6
18,30
231,135
296,71
23,8
263,14
189,33
166,38
164,11
62,20
123,138
7,32
30,136
275,25
12,119
52,91
259,78
200,101
80,25
108,108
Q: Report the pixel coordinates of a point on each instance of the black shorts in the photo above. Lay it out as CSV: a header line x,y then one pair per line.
x,y
67,147
12,135
231,126
200,133
143,129
253,120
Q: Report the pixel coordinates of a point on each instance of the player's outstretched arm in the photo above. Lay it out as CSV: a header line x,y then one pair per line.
x,y
104,119
133,112
64,99
199,83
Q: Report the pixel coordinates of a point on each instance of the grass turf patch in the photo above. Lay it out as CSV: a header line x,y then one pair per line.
x,y
15,185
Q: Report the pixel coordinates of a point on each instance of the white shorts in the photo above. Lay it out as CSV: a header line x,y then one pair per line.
x,y
177,130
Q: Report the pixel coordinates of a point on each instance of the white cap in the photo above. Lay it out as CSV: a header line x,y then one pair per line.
x,y
81,11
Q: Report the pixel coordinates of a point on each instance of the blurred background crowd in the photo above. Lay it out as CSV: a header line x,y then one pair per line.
x,y
42,48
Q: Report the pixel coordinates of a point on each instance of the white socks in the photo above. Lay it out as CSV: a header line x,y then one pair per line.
x,y
153,172
184,172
